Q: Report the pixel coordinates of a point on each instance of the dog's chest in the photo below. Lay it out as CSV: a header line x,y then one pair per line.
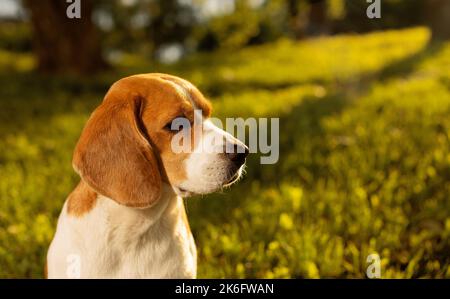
x,y
164,250
126,244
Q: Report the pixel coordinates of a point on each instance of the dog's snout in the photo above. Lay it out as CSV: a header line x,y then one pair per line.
x,y
238,154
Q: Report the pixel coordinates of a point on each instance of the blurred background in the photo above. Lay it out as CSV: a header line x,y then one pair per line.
x,y
364,108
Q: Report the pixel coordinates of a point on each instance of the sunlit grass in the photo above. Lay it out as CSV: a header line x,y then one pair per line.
x,y
364,157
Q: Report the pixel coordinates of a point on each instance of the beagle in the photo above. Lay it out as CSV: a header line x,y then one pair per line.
x,y
126,217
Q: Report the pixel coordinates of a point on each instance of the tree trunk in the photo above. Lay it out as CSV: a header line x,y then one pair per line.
x,y
296,19
438,18
310,22
62,44
317,19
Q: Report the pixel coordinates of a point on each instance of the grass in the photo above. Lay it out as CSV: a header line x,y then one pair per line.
x,y
364,157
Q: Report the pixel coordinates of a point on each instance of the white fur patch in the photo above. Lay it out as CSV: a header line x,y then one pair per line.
x,y
207,167
114,241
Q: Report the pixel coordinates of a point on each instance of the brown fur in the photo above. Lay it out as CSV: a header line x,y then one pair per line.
x,y
81,200
124,152
195,94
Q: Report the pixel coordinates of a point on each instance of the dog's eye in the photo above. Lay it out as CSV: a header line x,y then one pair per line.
x,y
175,125
168,127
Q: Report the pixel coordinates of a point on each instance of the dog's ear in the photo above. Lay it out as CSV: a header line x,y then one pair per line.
x,y
114,155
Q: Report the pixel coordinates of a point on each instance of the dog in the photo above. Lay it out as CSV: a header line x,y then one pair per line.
x,y
126,217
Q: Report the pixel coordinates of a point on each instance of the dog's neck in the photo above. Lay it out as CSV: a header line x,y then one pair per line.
x,y
118,241
122,219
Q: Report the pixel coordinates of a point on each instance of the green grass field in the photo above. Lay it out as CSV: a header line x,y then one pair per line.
x,y
364,157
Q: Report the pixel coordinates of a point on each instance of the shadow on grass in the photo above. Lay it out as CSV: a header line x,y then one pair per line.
x,y
33,98
406,66
301,125
234,87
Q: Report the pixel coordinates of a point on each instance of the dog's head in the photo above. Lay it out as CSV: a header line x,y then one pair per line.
x,y
126,150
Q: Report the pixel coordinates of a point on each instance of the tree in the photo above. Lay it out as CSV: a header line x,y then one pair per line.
x,y
296,18
172,22
317,18
63,44
307,17
438,18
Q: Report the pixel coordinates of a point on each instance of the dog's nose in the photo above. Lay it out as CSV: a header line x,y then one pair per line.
x,y
238,154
